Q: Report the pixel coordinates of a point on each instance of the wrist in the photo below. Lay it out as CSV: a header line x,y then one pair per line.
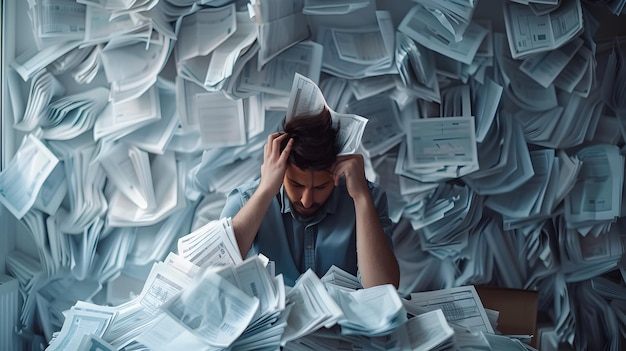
x,y
362,198
266,190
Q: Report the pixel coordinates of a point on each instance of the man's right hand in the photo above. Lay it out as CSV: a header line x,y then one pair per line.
x,y
274,162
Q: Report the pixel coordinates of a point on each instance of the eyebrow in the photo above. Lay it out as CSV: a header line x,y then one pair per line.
x,y
315,186
293,181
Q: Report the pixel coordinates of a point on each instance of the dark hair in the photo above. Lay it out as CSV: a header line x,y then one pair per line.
x,y
315,140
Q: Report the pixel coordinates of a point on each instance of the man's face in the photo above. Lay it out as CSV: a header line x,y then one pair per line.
x,y
307,190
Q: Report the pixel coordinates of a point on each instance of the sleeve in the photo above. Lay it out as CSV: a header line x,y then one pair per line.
x,y
235,200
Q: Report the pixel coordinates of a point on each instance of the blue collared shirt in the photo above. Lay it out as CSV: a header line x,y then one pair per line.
x,y
295,245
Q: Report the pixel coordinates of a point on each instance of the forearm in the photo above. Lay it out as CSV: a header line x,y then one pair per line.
x,y
377,262
247,221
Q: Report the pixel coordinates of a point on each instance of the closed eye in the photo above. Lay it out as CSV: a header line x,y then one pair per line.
x,y
323,186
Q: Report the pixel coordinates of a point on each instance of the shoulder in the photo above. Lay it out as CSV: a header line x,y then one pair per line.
x,y
375,188
237,197
244,190
372,185
378,193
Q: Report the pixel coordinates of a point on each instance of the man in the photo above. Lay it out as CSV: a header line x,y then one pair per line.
x,y
313,209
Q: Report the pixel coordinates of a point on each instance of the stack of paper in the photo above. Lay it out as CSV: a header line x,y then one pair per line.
x,y
281,25
19,186
369,86
154,136
27,271
451,213
313,308
453,17
321,7
212,244
168,196
9,293
85,183
338,277
270,320
58,294
72,115
86,321
142,64
538,35
178,307
561,180
504,160
129,169
595,198
193,312
429,29
384,128
426,331
44,88
601,317
528,199
376,311
209,61
34,60
123,117
153,241
358,53
111,254
587,256
440,148
140,315
416,67
460,305
612,88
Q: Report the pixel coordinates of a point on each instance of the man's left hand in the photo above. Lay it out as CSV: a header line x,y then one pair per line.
x,y
353,168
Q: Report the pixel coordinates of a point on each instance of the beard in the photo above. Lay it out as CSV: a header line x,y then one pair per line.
x,y
305,213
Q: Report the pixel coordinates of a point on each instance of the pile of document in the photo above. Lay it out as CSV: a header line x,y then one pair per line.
x,y
220,302
495,128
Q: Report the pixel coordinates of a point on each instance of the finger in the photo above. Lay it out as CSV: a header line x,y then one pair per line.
x,y
268,144
279,138
337,171
271,140
278,141
334,171
285,154
340,164
273,136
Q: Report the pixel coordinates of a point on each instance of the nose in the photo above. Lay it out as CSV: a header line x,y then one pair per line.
x,y
307,198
